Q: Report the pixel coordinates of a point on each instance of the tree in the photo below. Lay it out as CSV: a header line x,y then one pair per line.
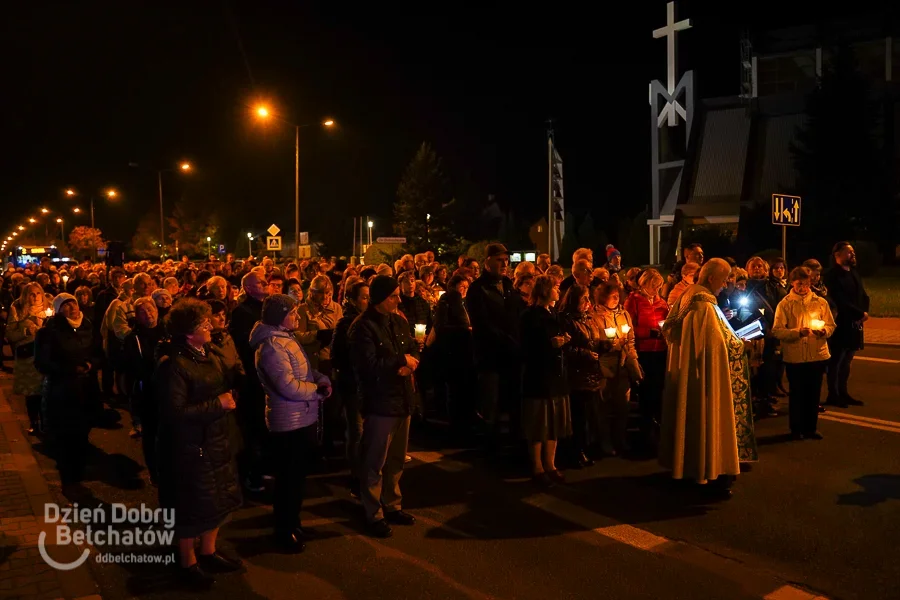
x,y
189,226
85,240
145,242
423,211
840,167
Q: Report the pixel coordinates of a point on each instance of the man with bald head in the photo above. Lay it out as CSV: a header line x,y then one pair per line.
x,y
706,421
251,409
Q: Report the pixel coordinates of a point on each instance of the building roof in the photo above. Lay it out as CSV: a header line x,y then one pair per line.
x,y
719,178
776,172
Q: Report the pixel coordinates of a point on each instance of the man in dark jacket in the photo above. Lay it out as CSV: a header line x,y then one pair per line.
x,y
384,357
849,295
251,406
491,303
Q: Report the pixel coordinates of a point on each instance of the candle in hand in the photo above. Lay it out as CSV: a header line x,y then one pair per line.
x,y
626,328
661,324
817,324
49,312
610,332
420,332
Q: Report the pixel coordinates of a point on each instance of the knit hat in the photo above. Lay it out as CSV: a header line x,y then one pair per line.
x,y
276,307
611,251
62,299
382,287
160,293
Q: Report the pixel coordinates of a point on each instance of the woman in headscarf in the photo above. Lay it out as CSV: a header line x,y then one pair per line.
x,y
68,355
26,317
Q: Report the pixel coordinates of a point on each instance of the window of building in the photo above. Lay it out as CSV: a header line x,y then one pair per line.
x,y
786,74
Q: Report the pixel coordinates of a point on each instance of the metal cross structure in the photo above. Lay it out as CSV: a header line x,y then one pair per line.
x,y
678,97
669,32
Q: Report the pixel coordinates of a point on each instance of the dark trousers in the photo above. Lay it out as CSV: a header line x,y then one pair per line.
x,y
383,450
805,381
150,430
294,452
587,413
71,447
839,371
33,407
500,391
251,417
651,389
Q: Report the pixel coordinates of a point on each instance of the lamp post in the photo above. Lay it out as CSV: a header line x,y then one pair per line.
x,y
183,167
371,224
108,193
264,114
62,228
208,247
249,244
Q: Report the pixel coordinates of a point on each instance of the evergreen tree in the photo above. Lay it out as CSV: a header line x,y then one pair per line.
x,y
841,172
423,211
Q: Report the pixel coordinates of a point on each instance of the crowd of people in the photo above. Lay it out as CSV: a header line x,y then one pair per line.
x,y
235,372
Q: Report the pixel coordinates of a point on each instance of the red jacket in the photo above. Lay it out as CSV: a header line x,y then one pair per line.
x,y
646,317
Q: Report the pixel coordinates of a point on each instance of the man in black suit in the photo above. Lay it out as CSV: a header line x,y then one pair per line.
x,y
852,301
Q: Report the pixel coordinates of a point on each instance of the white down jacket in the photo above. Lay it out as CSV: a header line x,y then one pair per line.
x,y
794,313
290,383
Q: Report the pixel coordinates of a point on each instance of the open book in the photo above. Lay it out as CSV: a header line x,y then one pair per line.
x,y
751,332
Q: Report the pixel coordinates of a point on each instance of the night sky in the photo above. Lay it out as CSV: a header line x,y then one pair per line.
x,y
92,86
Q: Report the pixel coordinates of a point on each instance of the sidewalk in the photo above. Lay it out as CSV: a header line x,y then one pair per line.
x,y
23,494
882,331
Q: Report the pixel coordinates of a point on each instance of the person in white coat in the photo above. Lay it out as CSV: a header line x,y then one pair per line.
x,y
803,323
294,392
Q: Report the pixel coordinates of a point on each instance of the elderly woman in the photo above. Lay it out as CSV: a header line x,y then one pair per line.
x,y
618,363
294,392
648,310
545,403
163,300
582,368
26,317
85,301
197,474
318,317
68,356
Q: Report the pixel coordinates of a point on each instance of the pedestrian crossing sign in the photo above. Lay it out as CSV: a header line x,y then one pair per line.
x,y
273,242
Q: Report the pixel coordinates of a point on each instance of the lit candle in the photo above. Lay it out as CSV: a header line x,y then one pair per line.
x,y
65,278
420,332
440,293
49,312
626,328
661,324
610,332
817,324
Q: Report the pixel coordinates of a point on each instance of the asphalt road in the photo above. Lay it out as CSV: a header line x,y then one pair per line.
x,y
812,518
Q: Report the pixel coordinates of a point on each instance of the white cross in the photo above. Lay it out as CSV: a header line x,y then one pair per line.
x,y
669,32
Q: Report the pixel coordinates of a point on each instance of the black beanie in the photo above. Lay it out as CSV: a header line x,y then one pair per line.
x,y
276,307
382,287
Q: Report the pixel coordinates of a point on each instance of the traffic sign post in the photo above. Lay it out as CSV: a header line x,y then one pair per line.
x,y
392,241
273,243
785,212
221,248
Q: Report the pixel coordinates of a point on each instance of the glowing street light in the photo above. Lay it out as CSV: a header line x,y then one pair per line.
x,y
21,228
32,220
371,225
263,113
70,192
45,210
76,210
185,166
249,244
111,193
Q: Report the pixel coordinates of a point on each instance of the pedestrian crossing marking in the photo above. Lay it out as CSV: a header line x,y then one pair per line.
x,y
891,426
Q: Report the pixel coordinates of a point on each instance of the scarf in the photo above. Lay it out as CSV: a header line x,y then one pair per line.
x,y
76,323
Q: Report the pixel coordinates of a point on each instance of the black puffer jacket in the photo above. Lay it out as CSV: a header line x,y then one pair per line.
x,y
378,345
198,478
70,399
416,310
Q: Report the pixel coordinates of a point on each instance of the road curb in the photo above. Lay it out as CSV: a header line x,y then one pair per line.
x,y
78,583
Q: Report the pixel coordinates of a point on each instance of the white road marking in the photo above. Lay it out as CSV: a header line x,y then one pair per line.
x,y
831,417
789,592
881,360
855,417
440,461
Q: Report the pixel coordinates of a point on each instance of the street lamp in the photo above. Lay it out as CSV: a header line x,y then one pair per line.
x,y
249,244
208,246
183,167
32,220
45,211
62,228
371,224
263,113
109,193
